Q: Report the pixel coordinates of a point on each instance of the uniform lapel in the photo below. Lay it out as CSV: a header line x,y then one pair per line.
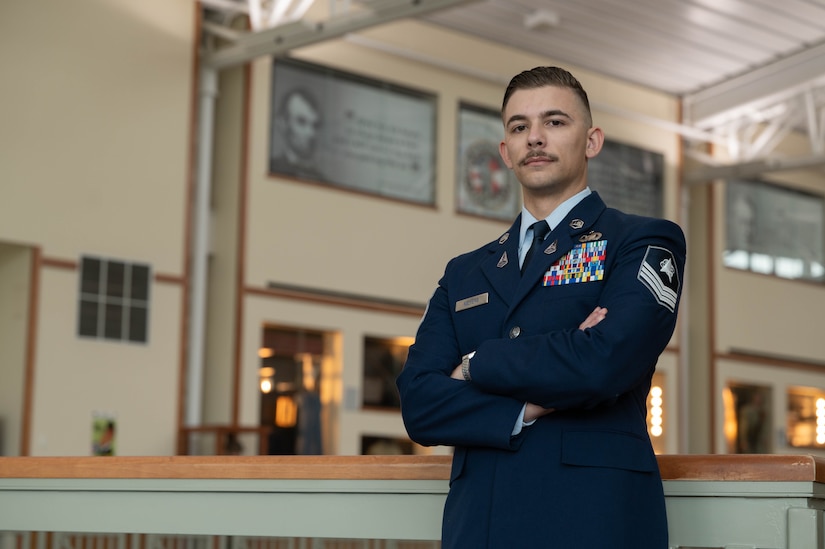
x,y
501,264
558,243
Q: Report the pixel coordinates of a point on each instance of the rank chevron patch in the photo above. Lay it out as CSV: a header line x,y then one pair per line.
x,y
659,274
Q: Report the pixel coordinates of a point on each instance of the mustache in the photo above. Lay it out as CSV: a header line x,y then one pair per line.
x,y
539,154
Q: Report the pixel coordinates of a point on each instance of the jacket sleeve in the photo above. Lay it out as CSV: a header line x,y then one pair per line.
x,y
570,368
440,410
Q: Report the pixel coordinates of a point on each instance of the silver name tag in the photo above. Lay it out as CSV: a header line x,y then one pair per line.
x,y
470,302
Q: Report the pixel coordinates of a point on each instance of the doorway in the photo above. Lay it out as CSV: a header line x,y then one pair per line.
x,y
291,377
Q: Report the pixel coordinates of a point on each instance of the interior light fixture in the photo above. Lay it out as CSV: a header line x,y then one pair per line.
x,y
542,20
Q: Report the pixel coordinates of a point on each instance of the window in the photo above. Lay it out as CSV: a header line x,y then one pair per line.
x,y
292,406
114,300
383,360
806,417
775,230
386,446
748,418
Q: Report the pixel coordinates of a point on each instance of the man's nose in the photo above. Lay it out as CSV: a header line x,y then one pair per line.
x,y
535,138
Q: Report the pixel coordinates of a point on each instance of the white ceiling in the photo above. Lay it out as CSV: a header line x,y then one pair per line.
x,y
676,46
680,47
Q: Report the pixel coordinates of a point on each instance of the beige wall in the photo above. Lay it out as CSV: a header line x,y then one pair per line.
x,y
779,380
388,249
350,325
763,314
94,159
95,112
76,378
771,326
422,239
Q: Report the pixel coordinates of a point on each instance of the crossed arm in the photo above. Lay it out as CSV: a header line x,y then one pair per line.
x,y
534,411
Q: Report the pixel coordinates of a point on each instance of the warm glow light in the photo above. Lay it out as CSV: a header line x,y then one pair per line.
x,y
307,371
286,411
806,417
266,385
820,420
265,352
731,429
656,411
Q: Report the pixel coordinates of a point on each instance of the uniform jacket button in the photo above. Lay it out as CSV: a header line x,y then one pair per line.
x,y
515,331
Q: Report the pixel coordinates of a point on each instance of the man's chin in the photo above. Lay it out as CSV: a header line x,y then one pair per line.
x,y
544,186
540,182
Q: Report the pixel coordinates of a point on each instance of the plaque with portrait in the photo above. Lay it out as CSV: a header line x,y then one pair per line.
x,y
352,132
486,186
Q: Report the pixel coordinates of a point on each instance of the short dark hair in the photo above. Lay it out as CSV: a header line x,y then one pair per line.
x,y
539,77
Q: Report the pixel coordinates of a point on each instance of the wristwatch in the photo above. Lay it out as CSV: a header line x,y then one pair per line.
x,y
465,366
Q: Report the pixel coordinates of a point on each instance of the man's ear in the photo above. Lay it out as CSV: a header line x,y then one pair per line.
x,y
502,150
595,140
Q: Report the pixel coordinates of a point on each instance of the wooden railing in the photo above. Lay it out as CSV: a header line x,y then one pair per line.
x,y
770,502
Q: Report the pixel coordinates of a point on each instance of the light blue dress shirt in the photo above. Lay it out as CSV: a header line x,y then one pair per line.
x,y
553,220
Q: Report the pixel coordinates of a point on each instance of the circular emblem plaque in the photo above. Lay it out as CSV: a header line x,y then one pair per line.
x,y
486,177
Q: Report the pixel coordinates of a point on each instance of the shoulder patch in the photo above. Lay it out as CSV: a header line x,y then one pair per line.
x,y
659,274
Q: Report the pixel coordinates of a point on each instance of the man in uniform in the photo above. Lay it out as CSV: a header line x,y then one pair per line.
x,y
539,379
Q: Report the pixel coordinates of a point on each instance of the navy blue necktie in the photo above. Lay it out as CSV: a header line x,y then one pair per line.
x,y
540,230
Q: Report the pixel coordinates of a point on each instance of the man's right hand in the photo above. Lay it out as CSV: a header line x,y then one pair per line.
x,y
533,411
593,318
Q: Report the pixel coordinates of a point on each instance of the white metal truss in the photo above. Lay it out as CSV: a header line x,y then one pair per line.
x,y
752,135
279,26
753,115
263,14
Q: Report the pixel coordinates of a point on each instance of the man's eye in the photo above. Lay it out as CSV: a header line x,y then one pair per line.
x,y
517,129
555,123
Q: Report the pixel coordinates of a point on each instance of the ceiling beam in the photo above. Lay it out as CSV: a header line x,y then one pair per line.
x,y
279,40
768,84
753,169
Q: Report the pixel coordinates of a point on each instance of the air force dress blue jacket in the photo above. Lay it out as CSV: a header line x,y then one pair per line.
x,y
584,476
